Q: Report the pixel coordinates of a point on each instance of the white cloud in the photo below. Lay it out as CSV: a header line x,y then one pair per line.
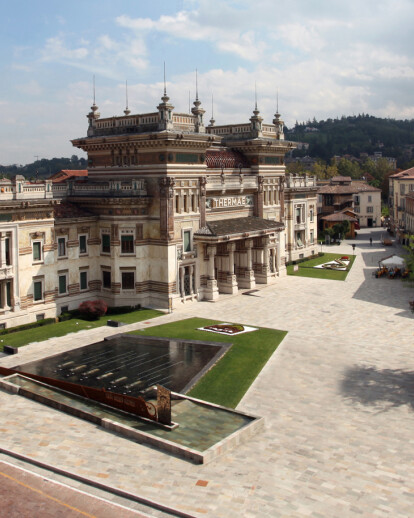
x,y
55,50
30,88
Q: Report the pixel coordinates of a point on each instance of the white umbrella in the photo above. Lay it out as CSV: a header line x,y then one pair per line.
x,y
393,261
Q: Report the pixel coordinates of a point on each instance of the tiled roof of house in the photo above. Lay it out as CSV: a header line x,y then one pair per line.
x,y
65,174
338,217
364,187
341,179
337,189
408,173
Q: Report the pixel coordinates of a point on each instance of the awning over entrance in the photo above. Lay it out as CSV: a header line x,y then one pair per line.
x,y
237,228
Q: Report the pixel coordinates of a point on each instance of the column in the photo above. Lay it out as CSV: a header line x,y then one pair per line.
x,y
263,276
274,260
230,284
191,268
211,291
3,250
247,279
182,291
4,295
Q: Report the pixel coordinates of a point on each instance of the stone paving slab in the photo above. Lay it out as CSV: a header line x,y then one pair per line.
x,y
337,396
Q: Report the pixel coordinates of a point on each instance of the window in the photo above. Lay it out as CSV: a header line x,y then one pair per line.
x,y
370,209
62,284
187,240
356,209
37,291
83,244
106,279
311,236
127,244
297,215
356,200
402,188
37,251
369,199
106,243
7,251
61,247
311,215
83,280
40,316
128,280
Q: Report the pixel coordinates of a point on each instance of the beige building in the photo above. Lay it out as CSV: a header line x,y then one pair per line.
x,y
367,204
400,185
169,211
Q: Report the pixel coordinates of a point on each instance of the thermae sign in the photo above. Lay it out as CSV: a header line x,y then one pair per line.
x,y
229,202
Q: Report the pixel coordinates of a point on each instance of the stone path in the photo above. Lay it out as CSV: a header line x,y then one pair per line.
x,y
338,397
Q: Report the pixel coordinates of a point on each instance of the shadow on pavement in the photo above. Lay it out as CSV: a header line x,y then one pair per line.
x,y
380,388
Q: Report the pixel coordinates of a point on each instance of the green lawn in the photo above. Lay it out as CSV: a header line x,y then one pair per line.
x,y
226,383
39,334
306,268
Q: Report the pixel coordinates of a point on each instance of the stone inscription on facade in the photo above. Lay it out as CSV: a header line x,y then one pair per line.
x,y
229,201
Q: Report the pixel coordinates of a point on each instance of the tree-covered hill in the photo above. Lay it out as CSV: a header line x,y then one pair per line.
x,y
43,168
355,135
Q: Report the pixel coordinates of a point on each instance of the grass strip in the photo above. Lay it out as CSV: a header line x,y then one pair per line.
x,y
227,382
306,269
38,334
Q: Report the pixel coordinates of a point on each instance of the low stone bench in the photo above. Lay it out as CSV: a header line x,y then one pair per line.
x,y
114,323
8,349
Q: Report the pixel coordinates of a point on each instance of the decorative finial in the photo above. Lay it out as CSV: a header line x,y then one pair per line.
x,y
127,111
196,85
94,89
255,96
212,121
165,83
277,101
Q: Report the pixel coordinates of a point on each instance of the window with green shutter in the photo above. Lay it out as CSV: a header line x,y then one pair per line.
x,y
127,244
83,280
37,251
187,240
106,243
37,289
62,284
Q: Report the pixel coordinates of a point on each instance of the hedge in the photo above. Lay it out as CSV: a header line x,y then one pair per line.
x,y
39,323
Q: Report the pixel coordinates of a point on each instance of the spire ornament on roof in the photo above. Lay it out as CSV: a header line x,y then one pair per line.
x,y
93,115
212,121
127,111
256,120
165,109
277,121
198,111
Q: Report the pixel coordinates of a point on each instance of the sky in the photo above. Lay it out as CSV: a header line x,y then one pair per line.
x,y
320,58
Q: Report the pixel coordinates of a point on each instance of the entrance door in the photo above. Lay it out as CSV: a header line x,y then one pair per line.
x,y
370,222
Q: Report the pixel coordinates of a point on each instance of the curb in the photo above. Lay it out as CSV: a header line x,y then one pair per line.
x,y
98,485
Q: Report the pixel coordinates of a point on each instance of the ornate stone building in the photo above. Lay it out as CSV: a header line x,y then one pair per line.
x,y
169,211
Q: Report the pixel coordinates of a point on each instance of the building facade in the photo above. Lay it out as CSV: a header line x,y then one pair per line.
x,y
400,185
170,211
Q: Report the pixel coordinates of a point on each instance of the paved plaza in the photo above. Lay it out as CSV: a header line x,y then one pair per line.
x,y
337,395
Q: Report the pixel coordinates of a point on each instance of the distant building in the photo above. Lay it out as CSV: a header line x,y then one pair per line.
x,y
342,194
400,185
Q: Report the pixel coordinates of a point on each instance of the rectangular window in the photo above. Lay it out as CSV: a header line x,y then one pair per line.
x,y
83,280
128,280
62,284
127,244
369,199
37,291
106,243
83,244
356,200
297,214
61,247
311,215
187,240
311,236
370,209
106,279
7,247
37,251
